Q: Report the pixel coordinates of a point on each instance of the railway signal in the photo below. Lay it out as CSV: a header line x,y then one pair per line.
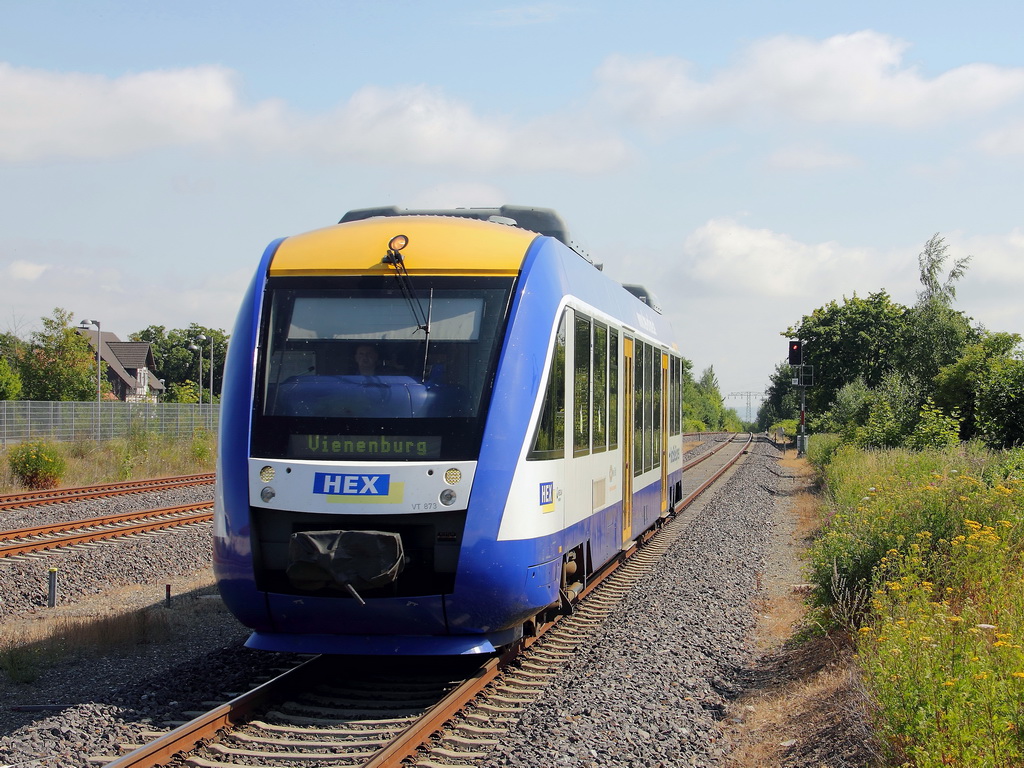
x,y
796,353
802,378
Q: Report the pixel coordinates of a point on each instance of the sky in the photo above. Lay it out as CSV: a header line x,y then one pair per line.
x,y
747,161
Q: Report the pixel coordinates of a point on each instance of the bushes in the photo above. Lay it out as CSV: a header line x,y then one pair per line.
x,y
927,548
86,462
934,428
942,656
1000,404
883,501
820,450
38,465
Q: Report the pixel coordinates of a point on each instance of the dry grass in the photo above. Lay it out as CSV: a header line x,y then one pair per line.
x,y
127,617
802,705
803,711
139,456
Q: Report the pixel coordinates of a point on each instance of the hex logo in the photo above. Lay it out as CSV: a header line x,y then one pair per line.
x,y
351,485
547,497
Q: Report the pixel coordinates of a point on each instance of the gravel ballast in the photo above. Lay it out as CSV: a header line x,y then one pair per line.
x,y
652,687
649,690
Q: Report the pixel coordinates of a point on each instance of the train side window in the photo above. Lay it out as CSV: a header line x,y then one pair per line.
x,y
652,458
600,387
613,388
582,359
549,442
639,406
675,401
647,408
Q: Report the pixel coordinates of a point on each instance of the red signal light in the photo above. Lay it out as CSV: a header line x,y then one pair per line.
x,y
796,354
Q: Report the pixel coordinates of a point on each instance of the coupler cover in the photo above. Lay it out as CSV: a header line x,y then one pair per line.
x,y
344,560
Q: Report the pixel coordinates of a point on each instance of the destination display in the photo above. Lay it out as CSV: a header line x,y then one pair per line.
x,y
365,446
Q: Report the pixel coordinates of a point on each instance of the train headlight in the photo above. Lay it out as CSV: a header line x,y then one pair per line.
x,y
452,476
267,474
398,242
447,497
267,494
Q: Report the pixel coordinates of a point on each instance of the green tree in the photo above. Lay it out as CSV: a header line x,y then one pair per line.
x,y
849,410
731,421
999,408
702,401
782,399
860,338
892,413
957,384
176,362
931,260
10,346
58,363
10,381
936,333
182,392
934,428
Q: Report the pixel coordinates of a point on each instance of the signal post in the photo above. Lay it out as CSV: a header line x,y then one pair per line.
x,y
803,377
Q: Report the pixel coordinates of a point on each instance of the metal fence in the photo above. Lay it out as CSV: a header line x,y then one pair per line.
x,y
22,420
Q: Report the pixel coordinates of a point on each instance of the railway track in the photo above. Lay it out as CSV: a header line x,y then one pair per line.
x,y
345,712
67,495
24,541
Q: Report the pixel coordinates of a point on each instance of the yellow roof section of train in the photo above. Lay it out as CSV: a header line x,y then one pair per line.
x,y
438,245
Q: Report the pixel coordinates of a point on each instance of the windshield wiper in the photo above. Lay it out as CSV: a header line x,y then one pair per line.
x,y
420,315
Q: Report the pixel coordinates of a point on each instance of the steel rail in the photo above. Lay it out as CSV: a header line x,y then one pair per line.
x,y
704,486
83,493
417,736
238,710
157,519
419,733
691,464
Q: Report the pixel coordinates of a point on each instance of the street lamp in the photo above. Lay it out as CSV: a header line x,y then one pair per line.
x,y
201,337
84,325
199,350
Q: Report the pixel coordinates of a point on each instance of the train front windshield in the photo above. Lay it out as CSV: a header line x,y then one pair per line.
x,y
356,368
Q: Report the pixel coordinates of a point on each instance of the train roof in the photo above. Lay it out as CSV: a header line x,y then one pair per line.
x,y
543,221
356,247
645,295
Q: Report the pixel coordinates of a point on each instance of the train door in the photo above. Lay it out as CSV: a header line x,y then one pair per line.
x,y
665,399
627,438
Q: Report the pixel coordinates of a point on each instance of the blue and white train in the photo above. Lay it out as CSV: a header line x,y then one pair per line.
x,y
434,426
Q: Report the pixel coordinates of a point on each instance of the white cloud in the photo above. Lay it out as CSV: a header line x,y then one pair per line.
x,y
125,302
991,288
50,114
726,258
856,78
994,257
1008,140
420,125
26,270
458,195
809,158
